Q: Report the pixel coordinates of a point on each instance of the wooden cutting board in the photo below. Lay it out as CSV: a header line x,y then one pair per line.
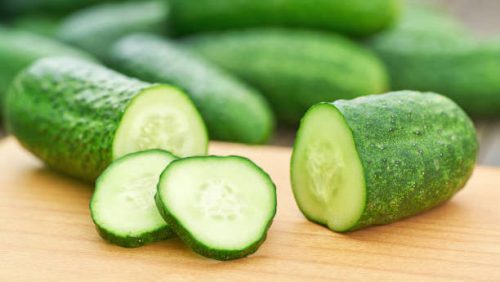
x,y
46,234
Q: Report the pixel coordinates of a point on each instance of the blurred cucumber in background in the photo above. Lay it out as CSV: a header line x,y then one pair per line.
x,y
96,28
432,51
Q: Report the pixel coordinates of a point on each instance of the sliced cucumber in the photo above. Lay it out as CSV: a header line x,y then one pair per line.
x,y
161,117
123,207
328,176
221,207
380,158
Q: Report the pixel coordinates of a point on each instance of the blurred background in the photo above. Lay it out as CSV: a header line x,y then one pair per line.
x,y
458,48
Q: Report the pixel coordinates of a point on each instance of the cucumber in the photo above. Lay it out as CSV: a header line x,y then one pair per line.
x,y
354,17
78,116
295,69
18,49
377,159
123,206
14,8
221,207
441,58
96,28
38,23
231,110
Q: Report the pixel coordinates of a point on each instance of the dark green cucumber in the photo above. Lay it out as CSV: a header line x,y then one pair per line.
x,y
231,110
38,23
354,17
14,8
441,57
96,28
123,206
78,116
221,207
295,69
18,49
377,159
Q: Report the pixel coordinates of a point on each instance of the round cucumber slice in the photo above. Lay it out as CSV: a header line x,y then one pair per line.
x,y
326,171
221,207
123,207
161,117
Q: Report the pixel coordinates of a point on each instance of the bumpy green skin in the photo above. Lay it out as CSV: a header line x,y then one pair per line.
x,y
18,49
231,110
354,17
66,111
96,28
109,235
417,150
192,241
295,69
439,56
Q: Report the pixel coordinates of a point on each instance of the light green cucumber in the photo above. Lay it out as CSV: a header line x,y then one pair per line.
x,y
377,159
78,116
123,206
295,69
95,29
221,207
232,110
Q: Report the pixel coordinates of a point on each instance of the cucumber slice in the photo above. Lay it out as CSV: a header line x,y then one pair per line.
x,y
161,117
221,207
123,207
332,181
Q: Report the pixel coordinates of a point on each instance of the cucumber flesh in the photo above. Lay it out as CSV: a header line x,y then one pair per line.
x,y
327,172
161,118
221,207
123,206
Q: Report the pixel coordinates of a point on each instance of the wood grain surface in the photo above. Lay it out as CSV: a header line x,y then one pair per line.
x,y
46,234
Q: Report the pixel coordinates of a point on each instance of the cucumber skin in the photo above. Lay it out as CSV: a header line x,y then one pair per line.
x,y
398,147
441,57
231,110
131,242
66,112
198,246
134,242
355,17
18,49
95,29
295,69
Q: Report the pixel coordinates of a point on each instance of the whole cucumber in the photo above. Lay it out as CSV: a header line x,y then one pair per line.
x,y
232,110
295,69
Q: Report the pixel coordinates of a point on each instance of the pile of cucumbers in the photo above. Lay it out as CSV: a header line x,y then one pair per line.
x,y
127,94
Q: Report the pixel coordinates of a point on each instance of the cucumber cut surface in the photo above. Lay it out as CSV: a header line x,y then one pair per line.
x,y
123,206
164,118
326,170
221,207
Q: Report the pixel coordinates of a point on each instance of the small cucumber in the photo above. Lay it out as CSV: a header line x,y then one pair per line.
x,y
294,69
96,28
79,116
377,159
123,206
232,110
221,207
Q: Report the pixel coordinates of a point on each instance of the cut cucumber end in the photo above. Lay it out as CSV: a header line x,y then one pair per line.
x,y
326,172
221,207
123,206
161,117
